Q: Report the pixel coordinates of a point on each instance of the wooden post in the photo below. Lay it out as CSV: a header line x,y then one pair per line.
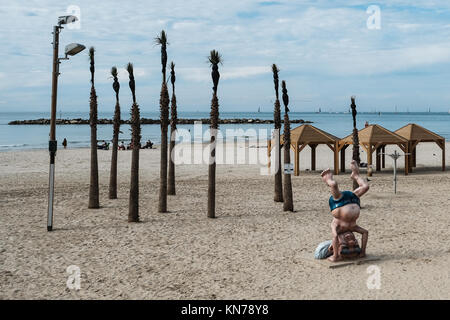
x,y
378,158
296,160
406,159
343,158
411,156
313,156
443,155
383,157
336,158
269,149
369,160
410,162
414,153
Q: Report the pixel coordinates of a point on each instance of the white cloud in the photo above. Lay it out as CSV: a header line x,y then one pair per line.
x,y
204,74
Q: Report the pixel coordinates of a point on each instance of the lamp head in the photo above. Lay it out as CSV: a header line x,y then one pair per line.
x,y
67,19
73,49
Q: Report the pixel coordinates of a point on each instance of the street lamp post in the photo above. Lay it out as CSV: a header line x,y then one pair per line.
x,y
71,50
395,157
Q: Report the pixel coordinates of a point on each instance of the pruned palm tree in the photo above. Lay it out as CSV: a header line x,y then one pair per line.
x,y
355,137
277,123
214,59
173,130
288,204
133,208
94,201
115,140
164,115
161,40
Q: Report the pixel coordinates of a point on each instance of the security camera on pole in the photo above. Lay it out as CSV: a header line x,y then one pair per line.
x,y
71,50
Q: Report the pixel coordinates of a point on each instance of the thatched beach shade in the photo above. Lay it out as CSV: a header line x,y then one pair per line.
x,y
308,135
415,134
373,139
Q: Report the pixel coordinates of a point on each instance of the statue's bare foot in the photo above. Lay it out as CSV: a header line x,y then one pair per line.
x,y
362,255
355,170
335,259
327,177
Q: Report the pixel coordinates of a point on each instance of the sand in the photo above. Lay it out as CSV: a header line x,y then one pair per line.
x,y
253,250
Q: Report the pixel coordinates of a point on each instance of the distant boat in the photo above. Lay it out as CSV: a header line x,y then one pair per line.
x,y
320,110
259,109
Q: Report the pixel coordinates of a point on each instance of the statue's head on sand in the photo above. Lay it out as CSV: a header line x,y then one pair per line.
x,y
348,245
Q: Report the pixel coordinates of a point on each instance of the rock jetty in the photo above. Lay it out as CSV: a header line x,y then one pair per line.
x,y
147,121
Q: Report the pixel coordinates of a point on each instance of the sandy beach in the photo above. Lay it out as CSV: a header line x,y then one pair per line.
x,y
253,250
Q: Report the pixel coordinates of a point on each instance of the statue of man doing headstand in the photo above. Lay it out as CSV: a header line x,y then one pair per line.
x,y
345,208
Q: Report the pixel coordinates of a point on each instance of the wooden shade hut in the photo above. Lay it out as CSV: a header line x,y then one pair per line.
x,y
374,138
416,134
308,135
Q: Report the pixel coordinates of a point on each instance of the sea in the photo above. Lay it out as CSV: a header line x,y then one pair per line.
x,y
23,137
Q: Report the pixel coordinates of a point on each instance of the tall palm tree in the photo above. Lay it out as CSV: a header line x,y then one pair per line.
x,y
116,130
288,204
133,208
214,59
173,129
94,202
355,138
164,115
277,121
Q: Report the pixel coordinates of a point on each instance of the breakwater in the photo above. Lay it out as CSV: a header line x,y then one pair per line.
x,y
80,121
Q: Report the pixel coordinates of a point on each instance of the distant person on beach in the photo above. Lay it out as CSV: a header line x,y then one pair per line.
x,y
148,145
366,124
345,208
64,143
122,146
103,146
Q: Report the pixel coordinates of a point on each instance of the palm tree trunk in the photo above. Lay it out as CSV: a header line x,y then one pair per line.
x,y
355,137
173,127
163,173
278,174
288,204
164,108
171,183
94,202
133,211
115,146
212,160
212,180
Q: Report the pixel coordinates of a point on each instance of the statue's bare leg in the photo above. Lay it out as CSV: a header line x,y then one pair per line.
x,y
362,183
327,177
335,243
365,236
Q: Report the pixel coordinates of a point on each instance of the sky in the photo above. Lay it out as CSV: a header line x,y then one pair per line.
x,y
324,49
